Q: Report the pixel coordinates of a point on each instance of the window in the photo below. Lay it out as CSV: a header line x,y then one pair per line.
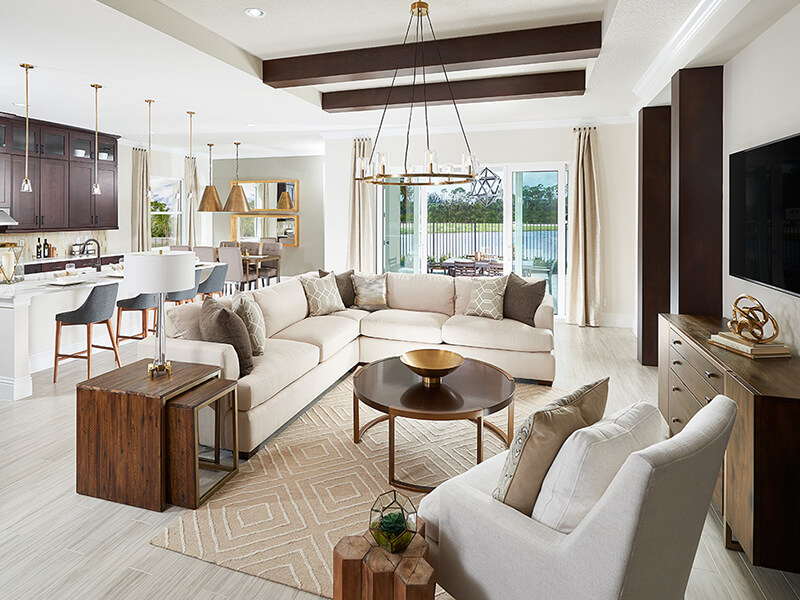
x,y
166,212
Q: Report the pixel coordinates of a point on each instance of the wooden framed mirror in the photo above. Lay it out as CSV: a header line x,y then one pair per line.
x,y
252,227
271,195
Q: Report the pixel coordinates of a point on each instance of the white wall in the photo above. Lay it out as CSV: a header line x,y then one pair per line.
x,y
761,105
617,180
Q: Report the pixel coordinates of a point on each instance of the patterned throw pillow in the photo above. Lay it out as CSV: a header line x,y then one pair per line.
x,y
250,313
537,442
486,297
345,284
322,294
222,325
370,292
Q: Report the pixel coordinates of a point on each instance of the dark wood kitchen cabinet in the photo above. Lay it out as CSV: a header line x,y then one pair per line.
x,y
61,165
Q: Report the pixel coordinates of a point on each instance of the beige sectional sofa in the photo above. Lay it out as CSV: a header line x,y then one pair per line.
x,y
305,355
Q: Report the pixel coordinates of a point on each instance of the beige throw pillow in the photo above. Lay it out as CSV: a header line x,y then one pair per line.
x,y
538,440
486,297
370,292
250,313
222,325
322,294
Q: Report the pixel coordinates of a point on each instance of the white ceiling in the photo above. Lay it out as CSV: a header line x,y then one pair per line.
x,y
76,42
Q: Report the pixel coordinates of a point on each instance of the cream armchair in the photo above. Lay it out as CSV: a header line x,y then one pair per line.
x,y
638,541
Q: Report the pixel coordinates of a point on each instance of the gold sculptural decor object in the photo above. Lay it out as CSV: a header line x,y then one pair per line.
x,y
751,322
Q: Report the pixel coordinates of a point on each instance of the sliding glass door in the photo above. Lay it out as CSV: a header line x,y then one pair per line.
x,y
400,225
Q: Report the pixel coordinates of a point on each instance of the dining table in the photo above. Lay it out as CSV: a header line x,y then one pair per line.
x,y
255,260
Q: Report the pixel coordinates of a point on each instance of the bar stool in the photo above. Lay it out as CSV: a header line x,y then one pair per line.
x,y
97,308
186,295
215,282
144,303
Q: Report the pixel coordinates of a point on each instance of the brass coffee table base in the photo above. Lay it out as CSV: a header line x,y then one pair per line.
x,y
476,417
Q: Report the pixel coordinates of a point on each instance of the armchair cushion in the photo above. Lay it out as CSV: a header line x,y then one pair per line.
x,y
540,437
589,460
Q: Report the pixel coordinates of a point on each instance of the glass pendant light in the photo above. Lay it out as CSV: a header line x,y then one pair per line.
x,y
96,185
210,201
149,146
26,182
237,201
190,195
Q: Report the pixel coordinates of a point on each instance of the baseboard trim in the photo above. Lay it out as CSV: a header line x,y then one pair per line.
x,y
12,389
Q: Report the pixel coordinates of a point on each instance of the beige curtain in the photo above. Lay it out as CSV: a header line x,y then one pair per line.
x,y
192,187
140,205
361,246
583,265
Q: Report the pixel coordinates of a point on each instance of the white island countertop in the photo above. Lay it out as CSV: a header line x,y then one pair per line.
x,y
40,284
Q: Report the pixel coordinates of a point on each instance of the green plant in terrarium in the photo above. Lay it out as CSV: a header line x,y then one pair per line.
x,y
393,521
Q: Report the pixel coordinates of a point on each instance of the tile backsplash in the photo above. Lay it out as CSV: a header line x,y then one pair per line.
x,y
60,240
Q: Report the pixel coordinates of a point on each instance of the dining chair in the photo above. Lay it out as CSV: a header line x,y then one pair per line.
x,y
251,247
142,303
268,240
229,244
179,249
495,269
272,268
97,308
206,253
236,274
214,283
464,268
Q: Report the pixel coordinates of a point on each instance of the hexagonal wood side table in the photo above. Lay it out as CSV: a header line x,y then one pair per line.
x,y
362,570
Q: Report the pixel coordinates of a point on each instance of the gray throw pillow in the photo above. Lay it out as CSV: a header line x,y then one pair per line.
x,y
322,295
249,312
345,285
222,325
370,292
522,298
486,297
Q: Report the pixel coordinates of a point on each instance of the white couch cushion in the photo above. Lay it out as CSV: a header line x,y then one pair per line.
x,y
329,333
283,304
505,334
283,362
482,477
353,313
589,460
421,292
404,325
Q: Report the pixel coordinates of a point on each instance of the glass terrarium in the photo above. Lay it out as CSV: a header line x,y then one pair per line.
x,y
393,521
12,267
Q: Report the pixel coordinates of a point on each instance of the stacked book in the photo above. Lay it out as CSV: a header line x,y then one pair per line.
x,y
748,348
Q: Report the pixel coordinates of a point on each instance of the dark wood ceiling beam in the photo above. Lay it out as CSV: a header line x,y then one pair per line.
x,y
509,48
518,87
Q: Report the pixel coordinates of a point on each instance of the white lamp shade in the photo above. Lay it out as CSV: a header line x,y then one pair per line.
x,y
153,273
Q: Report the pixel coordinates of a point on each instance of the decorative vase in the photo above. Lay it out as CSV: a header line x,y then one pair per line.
x,y
393,521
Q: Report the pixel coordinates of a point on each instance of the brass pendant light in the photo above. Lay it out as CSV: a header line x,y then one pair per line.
x,y
26,183
285,201
237,201
210,201
95,185
149,146
190,195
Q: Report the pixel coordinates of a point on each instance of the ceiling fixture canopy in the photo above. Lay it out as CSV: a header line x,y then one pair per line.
x,y
26,182
210,201
237,201
95,185
377,170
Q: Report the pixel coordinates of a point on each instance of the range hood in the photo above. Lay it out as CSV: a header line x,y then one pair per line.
x,y
6,220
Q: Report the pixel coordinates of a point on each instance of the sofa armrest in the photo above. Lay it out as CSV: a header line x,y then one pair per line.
x,y
195,351
543,317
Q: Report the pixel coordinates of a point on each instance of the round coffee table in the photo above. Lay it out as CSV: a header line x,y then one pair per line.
x,y
473,391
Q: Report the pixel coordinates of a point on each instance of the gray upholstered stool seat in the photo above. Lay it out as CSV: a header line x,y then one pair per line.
x,y
186,295
97,308
143,303
215,282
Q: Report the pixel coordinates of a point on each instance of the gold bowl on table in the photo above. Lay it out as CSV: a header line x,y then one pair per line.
x,y
432,364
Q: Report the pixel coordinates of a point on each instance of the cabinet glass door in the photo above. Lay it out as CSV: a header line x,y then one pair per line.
x,y
18,140
54,143
106,150
81,147
3,137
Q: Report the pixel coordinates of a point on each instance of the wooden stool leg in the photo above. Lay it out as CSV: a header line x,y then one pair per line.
x,y
58,346
113,342
89,350
144,323
119,321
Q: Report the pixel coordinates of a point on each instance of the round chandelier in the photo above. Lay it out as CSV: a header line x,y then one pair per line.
x,y
376,169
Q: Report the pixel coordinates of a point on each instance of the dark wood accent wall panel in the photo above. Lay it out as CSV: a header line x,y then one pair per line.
x,y
654,227
519,87
697,189
507,48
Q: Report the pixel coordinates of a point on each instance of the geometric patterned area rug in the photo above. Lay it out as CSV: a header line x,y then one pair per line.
x,y
281,515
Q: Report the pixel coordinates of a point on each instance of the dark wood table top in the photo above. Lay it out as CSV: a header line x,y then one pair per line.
x,y
474,387
134,379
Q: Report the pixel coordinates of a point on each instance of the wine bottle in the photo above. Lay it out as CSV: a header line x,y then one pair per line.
x,y
46,249
38,248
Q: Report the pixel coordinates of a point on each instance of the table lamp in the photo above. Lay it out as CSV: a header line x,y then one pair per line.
x,y
158,273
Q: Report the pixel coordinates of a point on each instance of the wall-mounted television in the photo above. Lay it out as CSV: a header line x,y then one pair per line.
x,y
765,215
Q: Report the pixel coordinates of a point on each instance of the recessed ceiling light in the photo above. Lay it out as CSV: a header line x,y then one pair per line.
x,y
255,13
251,124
